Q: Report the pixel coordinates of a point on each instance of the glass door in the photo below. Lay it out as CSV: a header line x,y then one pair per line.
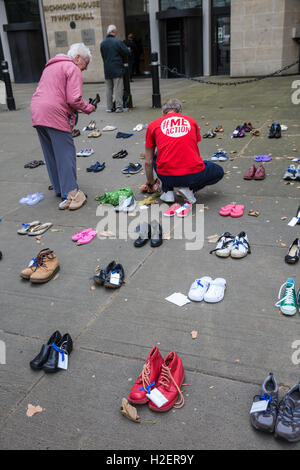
x,y
221,44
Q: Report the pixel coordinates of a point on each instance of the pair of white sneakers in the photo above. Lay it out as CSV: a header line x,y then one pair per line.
x,y
186,193
235,246
207,289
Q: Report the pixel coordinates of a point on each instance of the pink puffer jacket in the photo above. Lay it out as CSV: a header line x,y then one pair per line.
x,y
58,94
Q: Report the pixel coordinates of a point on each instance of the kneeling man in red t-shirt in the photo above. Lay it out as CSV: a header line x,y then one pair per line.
x,y
177,160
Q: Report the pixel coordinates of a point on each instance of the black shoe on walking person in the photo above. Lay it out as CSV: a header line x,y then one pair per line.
x,y
288,419
265,420
65,345
38,362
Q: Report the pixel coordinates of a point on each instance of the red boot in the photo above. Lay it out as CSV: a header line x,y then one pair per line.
x,y
150,372
169,382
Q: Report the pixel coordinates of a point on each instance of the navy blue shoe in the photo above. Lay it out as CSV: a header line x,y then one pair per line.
x,y
96,167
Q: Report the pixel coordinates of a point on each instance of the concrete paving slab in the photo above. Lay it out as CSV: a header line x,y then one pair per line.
x,y
239,340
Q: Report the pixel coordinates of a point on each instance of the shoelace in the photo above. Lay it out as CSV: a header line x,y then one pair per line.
x,y
272,405
244,243
226,242
289,295
40,260
165,378
145,374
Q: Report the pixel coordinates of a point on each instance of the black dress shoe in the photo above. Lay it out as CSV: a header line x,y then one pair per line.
x,y
38,362
145,235
101,276
115,277
292,256
65,345
277,131
156,234
272,130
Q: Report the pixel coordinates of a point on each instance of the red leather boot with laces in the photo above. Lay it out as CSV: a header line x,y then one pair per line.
x,y
150,372
169,383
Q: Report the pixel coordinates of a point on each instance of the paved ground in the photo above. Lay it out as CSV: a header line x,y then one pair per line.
x,y
239,340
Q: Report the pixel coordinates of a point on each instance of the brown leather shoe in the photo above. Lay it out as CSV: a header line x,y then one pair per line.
x,y
260,173
249,175
47,267
31,268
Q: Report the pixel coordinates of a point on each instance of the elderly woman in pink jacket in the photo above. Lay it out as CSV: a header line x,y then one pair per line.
x,y
53,111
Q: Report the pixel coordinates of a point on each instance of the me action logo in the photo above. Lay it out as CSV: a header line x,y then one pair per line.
x,y
175,126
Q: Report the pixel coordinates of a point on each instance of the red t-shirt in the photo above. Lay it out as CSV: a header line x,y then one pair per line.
x,y
176,137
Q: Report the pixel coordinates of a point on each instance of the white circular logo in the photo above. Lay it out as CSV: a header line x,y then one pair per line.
x,y
175,126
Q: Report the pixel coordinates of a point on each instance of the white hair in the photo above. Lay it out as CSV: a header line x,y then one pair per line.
x,y
172,105
111,28
79,49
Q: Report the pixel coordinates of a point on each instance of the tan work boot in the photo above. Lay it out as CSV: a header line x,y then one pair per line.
x,y
47,267
27,272
77,200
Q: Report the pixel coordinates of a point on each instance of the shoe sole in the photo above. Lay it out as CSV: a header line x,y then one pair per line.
x,y
185,198
170,406
41,281
139,402
285,439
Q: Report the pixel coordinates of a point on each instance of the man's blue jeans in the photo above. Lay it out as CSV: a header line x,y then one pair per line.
x,y
211,174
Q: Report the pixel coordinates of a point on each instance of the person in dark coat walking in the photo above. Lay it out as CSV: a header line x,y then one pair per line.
x,y
130,43
113,52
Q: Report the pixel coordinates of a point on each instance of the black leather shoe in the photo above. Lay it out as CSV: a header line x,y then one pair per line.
x,y
156,234
101,276
66,345
277,134
145,235
38,362
292,255
115,277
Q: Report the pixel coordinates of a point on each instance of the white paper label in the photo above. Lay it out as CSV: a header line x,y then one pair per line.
x,y
63,364
257,406
157,397
293,222
115,278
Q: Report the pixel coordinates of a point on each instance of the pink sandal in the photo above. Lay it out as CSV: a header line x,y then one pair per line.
x,y
237,211
87,238
226,210
78,235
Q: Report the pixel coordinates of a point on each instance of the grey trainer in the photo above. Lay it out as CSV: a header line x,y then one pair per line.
x,y
288,420
265,420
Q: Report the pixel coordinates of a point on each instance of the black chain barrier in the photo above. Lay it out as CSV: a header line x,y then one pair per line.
x,y
241,82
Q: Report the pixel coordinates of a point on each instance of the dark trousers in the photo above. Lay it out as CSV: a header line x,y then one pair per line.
x,y
211,174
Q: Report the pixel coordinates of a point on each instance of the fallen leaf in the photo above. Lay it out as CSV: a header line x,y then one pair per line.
x,y
283,218
283,244
237,361
106,233
38,237
213,238
212,386
32,410
194,334
93,287
56,277
55,230
129,411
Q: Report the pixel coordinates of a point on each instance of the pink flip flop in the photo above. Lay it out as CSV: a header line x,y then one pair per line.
x,y
172,210
78,235
226,210
87,238
237,211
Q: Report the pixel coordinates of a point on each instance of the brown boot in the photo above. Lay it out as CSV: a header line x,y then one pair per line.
x,y
47,267
77,200
31,268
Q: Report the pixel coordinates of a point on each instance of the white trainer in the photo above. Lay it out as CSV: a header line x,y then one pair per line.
x,y
168,196
224,245
187,194
199,288
216,290
240,248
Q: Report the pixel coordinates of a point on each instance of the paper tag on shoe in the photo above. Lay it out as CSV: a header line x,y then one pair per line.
x,y
157,397
260,405
293,222
63,361
115,278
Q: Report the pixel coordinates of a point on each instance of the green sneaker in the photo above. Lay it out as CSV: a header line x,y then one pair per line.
x,y
288,303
